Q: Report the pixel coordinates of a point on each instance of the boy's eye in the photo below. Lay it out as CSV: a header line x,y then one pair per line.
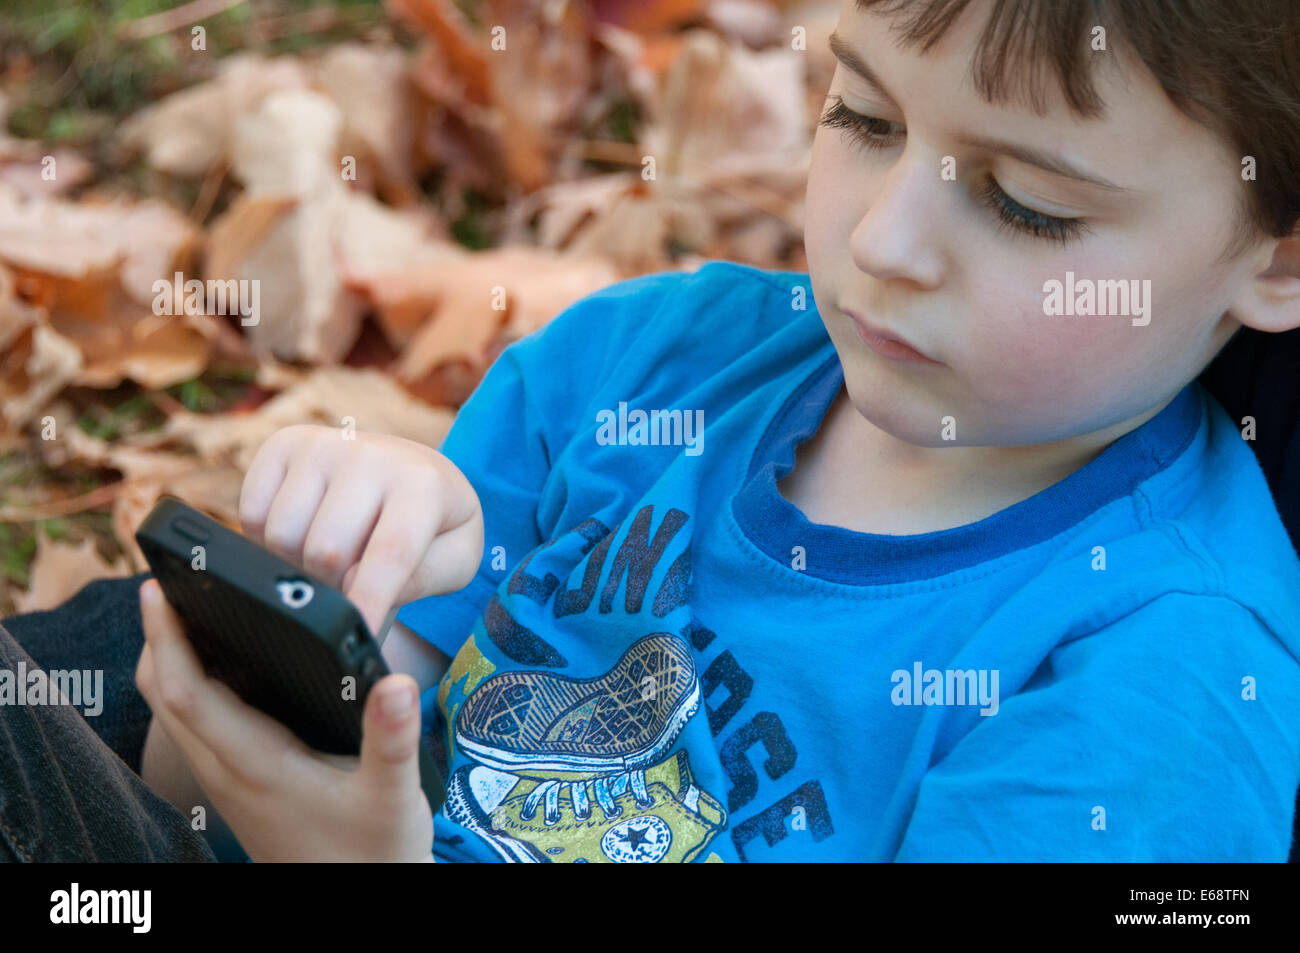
x,y
874,133
867,131
1030,221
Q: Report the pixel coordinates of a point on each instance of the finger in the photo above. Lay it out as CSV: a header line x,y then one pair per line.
x,y
144,673
400,537
208,721
261,483
292,511
341,527
390,740
450,562
203,762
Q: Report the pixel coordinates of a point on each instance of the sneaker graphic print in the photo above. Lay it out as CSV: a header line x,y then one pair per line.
x,y
578,770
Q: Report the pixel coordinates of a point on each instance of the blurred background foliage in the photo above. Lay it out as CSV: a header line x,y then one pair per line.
x,y
90,68
528,166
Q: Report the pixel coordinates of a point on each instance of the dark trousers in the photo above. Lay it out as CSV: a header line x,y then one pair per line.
x,y
69,782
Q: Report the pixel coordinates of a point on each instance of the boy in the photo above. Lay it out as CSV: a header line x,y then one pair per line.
x,y
936,553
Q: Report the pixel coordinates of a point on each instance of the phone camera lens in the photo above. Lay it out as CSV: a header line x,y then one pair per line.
x,y
295,594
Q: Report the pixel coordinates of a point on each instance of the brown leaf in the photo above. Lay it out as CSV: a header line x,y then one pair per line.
x,y
285,151
539,85
458,46
642,17
61,569
327,395
193,130
471,300
212,490
244,226
33,371
372,87
119,339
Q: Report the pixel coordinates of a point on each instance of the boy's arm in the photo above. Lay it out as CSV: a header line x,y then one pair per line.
x,y
507,436
1172,734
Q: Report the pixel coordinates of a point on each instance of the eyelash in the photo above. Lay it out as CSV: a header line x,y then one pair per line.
x,y
866,131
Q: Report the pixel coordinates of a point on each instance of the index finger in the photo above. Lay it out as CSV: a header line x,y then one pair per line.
x,y
400,538
261,483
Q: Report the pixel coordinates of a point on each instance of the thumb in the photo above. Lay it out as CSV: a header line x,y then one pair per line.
x,y
390,740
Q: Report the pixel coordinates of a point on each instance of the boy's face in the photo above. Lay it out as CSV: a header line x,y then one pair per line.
x,y
929,259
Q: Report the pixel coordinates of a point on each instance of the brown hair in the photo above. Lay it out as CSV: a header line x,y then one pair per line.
x,y
1231,65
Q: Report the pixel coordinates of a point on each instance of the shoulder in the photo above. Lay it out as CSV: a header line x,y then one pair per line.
x,y
1210,537
676,307
666,334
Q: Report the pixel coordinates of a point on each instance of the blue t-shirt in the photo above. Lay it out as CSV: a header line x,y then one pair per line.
x,y
661,659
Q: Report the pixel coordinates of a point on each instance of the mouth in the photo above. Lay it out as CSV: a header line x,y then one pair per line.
x,y
886,344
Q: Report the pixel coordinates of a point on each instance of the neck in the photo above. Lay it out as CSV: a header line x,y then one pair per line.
x,y
853,474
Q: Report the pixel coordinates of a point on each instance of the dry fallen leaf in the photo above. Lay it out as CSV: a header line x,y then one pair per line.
x,y
721,106
92,268
192,131
456,44
66,239
471,301
35,169
33,371
118,338
61,569
539,88
374,240
244,226
213,490
304,237
372,88
636,15
285,149
727,131
333,396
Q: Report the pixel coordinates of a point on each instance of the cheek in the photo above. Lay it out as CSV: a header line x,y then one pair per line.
x,y
815,203
829,202
1023,360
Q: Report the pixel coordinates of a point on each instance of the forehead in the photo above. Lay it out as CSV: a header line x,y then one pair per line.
x,y
1043,56
1139,139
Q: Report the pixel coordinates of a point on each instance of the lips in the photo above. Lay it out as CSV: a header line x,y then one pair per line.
x,y
886,344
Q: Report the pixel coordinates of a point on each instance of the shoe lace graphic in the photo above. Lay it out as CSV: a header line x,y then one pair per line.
x,y
605,789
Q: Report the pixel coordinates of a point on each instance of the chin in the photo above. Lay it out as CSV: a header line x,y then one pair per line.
x,y
902,418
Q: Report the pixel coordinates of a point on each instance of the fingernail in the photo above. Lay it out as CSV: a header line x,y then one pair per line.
x,y
396,702
149,592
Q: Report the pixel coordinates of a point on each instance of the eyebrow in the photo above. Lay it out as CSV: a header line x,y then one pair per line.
x,y
846,54
1046,161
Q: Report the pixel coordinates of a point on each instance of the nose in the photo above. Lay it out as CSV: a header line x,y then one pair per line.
x,y
900,236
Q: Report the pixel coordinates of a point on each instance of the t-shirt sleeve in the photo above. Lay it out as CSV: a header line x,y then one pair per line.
x,y
1172,734
507,435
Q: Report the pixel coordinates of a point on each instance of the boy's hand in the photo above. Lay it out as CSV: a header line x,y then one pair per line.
x,y
386,520
284,801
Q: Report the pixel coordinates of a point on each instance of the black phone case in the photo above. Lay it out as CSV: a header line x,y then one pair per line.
x,y
280,638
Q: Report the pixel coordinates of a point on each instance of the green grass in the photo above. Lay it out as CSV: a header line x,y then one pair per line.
x,y
86,76
112,423
19,470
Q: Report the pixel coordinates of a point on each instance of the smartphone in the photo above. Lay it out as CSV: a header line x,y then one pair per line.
x,y
287,643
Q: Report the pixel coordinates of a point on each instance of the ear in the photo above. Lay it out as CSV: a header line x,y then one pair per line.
x,y
1270,301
